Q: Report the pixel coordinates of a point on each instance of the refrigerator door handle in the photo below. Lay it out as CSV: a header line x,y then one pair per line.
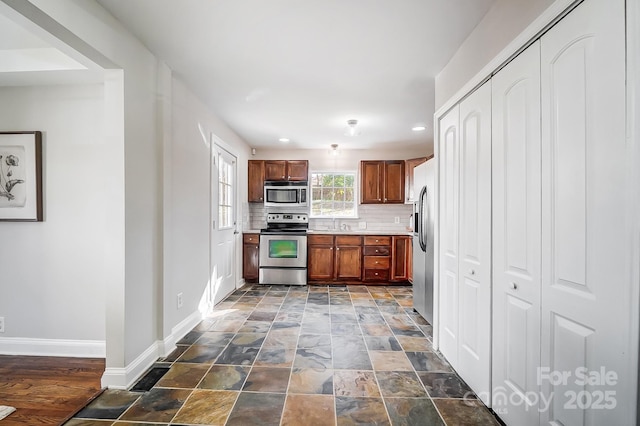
x,y
422,227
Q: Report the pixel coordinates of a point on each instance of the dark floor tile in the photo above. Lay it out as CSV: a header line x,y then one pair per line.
x,y
206,407
348,318
400,384
109,405
183,375
255,327
190,338
376,330
347,360
355,383
345,329
283,325
262,315
225,377
352,343
316,410
361,411
201,354
157,405
175,354
316,327
275,357
308,341
257,409
237,355
428,361
149,379
311,381
88,422
215,338
413,411
461,412
267,379
407,330
313,358
382,343
371,319
249,340
445,385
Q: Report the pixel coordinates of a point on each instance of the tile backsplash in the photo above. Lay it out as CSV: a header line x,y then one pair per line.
x,y
376,217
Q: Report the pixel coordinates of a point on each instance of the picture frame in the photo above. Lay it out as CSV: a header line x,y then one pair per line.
x,y
21,176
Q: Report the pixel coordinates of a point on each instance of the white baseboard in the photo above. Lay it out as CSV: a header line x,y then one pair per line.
x,y
52,347
124,378
179,331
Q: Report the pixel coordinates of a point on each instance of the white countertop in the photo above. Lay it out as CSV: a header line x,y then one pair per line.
x,y
340,232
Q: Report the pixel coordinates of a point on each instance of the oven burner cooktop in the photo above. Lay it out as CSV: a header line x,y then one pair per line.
x,y
286,223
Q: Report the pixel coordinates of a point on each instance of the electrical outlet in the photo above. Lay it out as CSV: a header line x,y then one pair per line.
x,y
396,219
1,324
362,225
180,301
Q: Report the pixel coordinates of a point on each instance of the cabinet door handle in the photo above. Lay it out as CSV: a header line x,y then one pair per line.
x,y
377,251
513,286
472,272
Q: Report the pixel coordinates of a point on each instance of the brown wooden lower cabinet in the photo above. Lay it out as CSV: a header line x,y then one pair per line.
x,y
348,258
358,259
401,258
250,257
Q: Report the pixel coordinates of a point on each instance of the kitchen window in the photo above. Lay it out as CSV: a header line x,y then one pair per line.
x,y
333,194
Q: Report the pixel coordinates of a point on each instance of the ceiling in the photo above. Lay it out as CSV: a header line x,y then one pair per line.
x,y
299,69
290,69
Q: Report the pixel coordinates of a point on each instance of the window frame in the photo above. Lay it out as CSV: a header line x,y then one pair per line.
x,y
355,194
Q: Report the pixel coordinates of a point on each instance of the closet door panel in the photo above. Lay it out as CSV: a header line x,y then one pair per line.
x,y
449,202
585,270
474,351
516,237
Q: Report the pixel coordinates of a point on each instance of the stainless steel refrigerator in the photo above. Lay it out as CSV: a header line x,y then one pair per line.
x,y
423,218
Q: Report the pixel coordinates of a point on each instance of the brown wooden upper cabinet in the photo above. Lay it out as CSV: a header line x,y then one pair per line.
x,y
293,170
261,170
256,181
382,182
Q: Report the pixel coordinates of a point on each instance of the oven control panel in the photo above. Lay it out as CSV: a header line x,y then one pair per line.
x,y
292,218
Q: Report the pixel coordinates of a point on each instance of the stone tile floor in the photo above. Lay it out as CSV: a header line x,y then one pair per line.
x,y
316,355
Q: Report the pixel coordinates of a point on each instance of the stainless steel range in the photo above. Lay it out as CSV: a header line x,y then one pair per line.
x,y
283,249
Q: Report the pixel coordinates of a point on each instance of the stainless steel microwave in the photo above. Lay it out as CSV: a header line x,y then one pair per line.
x,y
285,194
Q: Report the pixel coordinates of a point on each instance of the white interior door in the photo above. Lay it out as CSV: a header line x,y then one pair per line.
x,y
586,283
474,303
224,226
448,256
516,238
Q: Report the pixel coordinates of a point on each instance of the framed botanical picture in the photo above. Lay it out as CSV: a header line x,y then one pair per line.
x,y
21,176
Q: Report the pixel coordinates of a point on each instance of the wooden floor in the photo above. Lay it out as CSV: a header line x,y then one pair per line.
x,y
47,390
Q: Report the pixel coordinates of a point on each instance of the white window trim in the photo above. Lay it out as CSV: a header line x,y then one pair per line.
x,y
356,194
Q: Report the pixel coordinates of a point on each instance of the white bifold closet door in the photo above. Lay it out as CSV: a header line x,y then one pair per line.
x,y
516,238
586,283
465,249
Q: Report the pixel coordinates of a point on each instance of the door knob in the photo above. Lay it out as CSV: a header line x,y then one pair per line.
x,y
472,272
513,286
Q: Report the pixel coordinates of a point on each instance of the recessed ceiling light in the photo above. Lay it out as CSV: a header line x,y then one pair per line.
x,y
419,128
284,140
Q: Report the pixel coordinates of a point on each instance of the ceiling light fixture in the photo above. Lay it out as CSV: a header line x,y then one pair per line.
x,y
284,140
334,149
351,129
419,128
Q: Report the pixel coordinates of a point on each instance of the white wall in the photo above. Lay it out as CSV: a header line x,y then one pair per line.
x,y
53,272
504,21
187,236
